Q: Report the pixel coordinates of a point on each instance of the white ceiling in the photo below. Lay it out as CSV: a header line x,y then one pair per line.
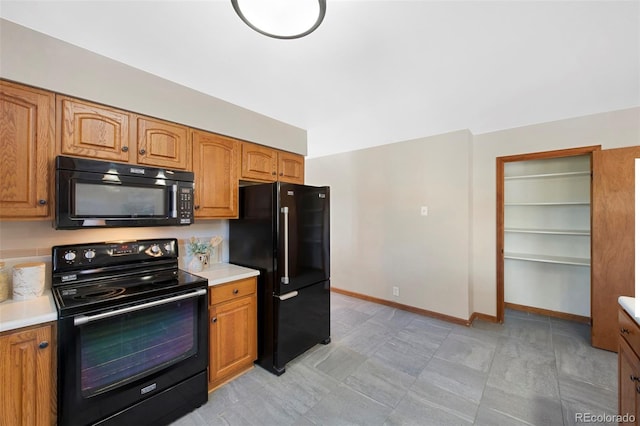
x,y
375,72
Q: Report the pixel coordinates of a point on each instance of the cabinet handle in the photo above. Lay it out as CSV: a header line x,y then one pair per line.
x,y
214,319
638,389
235,291
624,331
43,345
42,202
125,148
143,151
196,207
634,378
273,173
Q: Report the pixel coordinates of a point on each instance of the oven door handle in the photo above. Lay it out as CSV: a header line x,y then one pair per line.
x,y
84,319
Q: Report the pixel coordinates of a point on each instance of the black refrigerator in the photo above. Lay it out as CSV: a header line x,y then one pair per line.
x,y
283,231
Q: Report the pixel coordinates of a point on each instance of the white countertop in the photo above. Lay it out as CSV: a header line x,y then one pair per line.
x,y
221,273
22,313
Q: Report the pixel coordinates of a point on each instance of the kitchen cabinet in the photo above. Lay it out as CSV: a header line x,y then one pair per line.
x,y
232,330
162,144
215,166
28,376
27,118
613,239
90,130
264,164
93,131
628,367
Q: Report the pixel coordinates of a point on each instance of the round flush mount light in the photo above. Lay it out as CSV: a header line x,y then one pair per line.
x,y
284,19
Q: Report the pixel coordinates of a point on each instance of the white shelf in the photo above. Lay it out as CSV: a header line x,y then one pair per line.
x,y
552,203
560,260
549,175
549,231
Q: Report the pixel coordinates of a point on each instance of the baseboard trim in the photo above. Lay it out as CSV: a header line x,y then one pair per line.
x,y
408,308
483,317
555,314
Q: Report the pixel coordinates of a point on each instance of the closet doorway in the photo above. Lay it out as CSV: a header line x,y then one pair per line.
x,y
544,233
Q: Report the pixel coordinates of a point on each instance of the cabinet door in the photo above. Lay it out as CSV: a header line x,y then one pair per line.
x,y
290,167
259,163
612,240
93,131
232,338
215,165
27,377
162,144
26,142
628,381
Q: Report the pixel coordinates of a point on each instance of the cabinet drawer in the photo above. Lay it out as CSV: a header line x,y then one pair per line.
x,y
629,330
235,289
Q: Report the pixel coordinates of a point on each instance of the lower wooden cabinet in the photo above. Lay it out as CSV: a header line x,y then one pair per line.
x,y
232,330
628,369
27,376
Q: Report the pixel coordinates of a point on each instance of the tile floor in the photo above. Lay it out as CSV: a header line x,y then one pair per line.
x,y
390,367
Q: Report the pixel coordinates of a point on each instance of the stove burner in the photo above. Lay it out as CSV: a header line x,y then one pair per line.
x,y
102,293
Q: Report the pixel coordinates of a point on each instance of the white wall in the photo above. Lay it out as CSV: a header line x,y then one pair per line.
x,y
33,58
378,237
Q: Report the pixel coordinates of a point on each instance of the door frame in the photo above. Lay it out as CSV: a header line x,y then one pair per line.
x,y
500,162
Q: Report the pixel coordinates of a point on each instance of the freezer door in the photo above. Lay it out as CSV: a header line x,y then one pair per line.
x,y
303,237
303,320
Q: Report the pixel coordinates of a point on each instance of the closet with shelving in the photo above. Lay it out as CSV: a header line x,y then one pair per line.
x,y
547,229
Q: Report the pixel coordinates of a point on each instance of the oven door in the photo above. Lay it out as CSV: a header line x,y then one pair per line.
x,y
112,360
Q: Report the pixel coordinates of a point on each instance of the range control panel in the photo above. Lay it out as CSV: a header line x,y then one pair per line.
x,y
111,253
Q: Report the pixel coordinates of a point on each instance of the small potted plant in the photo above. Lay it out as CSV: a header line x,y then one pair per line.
x,y
200,252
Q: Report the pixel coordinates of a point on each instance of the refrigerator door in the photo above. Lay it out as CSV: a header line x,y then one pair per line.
x,y
303,237
302,322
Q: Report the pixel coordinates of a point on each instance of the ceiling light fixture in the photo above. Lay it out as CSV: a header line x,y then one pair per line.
x,y
284,19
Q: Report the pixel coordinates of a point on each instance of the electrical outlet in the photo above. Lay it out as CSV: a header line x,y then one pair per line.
x,y
424,211
396,291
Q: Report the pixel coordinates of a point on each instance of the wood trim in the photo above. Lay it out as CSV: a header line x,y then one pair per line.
x,y
407,308
548,312
482,317
500,162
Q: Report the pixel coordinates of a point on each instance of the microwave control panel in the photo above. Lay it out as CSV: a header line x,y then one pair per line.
x,y
185,205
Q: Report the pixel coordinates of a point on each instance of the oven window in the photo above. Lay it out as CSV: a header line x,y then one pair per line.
x,y
120,349
107,200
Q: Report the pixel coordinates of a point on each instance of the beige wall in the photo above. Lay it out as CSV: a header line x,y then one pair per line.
x,y
33,58
379,239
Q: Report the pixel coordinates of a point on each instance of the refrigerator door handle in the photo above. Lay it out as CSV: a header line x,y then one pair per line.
x,y
285,278
287,295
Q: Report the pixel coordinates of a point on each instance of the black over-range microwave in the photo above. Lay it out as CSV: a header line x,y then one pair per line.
x,y
91,193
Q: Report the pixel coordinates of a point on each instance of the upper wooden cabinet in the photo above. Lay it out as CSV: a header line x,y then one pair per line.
x,y
163,144
96,131
264,164
93,131
215,166
26,142
290,167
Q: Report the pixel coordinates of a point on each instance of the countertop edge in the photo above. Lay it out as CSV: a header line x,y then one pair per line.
x,y
629,305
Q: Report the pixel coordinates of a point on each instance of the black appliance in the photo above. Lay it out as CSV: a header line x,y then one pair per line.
x,y
283,231
132,333
91,193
